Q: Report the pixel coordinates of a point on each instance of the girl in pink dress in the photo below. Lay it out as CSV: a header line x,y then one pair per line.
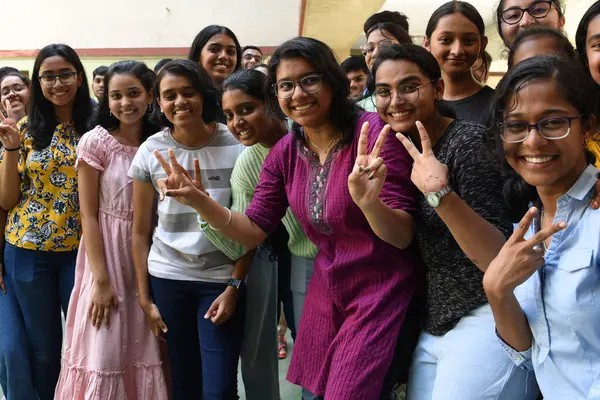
x,y
110,352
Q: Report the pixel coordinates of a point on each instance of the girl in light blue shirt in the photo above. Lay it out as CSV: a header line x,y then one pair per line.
x,y
544,286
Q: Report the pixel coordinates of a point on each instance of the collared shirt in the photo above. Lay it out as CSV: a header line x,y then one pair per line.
x,y
562,301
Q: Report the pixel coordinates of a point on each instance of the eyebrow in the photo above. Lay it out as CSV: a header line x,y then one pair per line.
x,y
174,89
129,88
403,81
50,71
220,45
546,112
301,76
594,37
458,33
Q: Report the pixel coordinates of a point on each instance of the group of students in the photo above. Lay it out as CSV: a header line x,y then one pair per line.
x,y
439,233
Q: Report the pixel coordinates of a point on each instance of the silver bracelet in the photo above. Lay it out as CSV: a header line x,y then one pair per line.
x,y
226,225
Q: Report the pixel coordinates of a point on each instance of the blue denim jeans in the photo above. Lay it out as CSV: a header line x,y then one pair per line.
x,y
39,285
203,356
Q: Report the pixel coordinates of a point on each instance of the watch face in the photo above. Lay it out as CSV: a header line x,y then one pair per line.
x,y
432,199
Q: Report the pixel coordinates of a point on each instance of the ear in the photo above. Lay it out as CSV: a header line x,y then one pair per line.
x,y
589,127
484,43
561,23
79,79
426,43
439,87
159,104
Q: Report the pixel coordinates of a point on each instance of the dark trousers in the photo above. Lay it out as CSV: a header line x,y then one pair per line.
x,y
39,285
203,356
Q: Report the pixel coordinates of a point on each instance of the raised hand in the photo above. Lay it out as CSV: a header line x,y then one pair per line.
x,y
519,258
9,135
428,174
178,183
368,175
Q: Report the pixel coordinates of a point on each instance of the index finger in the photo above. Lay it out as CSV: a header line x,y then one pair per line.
x,y
174,163
165,165
380,141
363,140
545,233
523,226
425,141
408,145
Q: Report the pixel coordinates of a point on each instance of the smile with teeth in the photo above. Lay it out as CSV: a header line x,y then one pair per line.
x,y
127,112
244,134
538,159
303,107
58,94
400,114
182,112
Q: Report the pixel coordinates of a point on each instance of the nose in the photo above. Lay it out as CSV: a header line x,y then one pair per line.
x,y
534,139
222,54
179,101
299,93
396,100
237,121
527,20
457,48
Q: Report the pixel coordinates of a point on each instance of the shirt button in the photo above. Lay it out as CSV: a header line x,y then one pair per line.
x,y
518,358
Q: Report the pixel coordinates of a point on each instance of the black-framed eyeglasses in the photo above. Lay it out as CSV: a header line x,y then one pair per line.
x,y
17,89
537,10
310,84
370,47
66,78
409,93
553,128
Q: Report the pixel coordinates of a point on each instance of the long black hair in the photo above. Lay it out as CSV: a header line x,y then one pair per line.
x,y
418,55
582,31
452,7
562,41
500,9
574,85
42,118
146,76
343,113
200,81
204,36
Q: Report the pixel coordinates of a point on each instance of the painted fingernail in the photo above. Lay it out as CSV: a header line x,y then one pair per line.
x,y
367,169
371,176
360,169
167,193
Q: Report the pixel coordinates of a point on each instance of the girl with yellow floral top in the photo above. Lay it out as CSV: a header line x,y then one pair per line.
x,y
38,187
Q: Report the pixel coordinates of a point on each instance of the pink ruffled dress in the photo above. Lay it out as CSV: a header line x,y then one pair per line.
x,y
123,361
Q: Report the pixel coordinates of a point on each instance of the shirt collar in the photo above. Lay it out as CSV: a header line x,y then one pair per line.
x,y
585,183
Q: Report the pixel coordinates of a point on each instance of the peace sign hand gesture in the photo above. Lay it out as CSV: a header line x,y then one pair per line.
x,y
368,175
9,135
179,183
428,174
519,258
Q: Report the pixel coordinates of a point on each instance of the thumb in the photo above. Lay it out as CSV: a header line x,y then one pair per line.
x,y
214,307
163,326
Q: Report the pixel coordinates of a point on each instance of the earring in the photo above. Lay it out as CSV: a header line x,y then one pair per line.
x,y
149,106
110,113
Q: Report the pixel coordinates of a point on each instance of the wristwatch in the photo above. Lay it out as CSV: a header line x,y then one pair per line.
x,y
236,283
434,198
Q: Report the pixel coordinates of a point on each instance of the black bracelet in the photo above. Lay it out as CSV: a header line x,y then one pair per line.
x,y
15,149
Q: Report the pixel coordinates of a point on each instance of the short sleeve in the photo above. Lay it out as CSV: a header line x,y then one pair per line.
x,y
521,359
476,177
270,202
92,150
139,169
398,193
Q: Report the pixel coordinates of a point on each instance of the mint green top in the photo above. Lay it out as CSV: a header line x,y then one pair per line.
x,y
368,104
244,179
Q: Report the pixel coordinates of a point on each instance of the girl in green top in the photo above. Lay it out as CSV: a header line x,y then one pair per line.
x,y
244,109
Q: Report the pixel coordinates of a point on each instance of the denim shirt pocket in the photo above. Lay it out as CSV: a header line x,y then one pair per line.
x,y
575,281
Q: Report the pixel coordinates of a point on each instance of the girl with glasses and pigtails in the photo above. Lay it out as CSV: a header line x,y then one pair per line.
x,y
38,185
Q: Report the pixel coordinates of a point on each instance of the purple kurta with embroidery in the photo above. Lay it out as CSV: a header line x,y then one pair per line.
x,y
361,286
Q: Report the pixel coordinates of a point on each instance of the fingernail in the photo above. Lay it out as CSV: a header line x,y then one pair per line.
x,y
167,193
371,176
360,169
367,169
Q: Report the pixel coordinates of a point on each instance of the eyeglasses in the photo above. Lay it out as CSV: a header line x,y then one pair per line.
x,y
17,89
408,92
370,47
310,84
66,78
537,10
553,128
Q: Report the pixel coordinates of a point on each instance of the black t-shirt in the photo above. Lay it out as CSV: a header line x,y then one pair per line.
x,y
454,283
474,108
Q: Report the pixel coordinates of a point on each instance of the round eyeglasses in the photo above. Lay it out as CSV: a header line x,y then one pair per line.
x,y
66,78
553,128
409,93
310,84
537,10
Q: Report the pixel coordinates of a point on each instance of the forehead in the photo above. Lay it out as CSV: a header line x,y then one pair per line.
x,y
396,70
291,68
221,39
536,47
252,51
355,73
231,98
11,80
379,35
535,97
173,82
55,63
594,26
457,23
123,80
99,77
518,3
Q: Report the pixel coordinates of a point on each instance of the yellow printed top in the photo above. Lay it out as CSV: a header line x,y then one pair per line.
x,y
47,215
593,145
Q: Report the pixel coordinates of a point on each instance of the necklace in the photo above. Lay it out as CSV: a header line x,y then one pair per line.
x,y
326,149
546,216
